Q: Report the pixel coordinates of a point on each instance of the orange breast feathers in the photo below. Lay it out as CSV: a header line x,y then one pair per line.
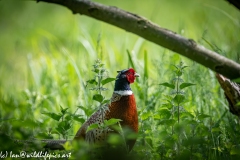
x,y
126,110
121,107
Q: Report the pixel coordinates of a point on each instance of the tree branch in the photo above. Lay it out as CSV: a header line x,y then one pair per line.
x,y
150,31
236,3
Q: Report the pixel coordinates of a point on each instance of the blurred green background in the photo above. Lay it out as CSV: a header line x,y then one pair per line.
x,y
47,53
30,29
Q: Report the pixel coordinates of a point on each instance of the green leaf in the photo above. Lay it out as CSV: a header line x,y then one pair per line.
x,y
107,80
64,110
82,108
179,98
53,115
92,126
68,117
106,101
96,70
184,85
63,126
78,118
164,113
98,97
111,121
92,81
184,67
187,115
178,72
145,115
166,84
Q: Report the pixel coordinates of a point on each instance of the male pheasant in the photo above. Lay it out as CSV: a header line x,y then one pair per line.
x,y
122,106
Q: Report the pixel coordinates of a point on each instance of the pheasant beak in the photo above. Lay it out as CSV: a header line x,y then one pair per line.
x,y
136,75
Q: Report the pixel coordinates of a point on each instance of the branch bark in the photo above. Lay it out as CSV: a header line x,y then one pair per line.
x,y
150,31
236,3
232,93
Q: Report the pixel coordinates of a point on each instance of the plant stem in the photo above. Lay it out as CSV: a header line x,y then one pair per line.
x,y
99,82
177,94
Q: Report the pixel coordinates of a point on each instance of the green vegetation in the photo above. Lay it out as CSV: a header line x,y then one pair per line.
x,y
46,60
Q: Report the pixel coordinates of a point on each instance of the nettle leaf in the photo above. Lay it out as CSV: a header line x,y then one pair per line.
x,y
179,98
64,110
92,81
78,118
111,121
184,67
184,85
53,115
169,85
63,126
187,115
164,112
92,126
96,70
107,80
98,97
68,117
178,72
145,115
106,101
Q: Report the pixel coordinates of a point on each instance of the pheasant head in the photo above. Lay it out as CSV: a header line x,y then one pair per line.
x,y
123,81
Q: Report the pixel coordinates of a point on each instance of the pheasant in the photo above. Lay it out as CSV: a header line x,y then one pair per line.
x,y
122,106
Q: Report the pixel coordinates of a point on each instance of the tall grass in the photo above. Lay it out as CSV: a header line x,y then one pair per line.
x,y
47,56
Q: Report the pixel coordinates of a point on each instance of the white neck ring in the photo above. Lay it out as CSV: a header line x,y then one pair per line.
x,y
124,93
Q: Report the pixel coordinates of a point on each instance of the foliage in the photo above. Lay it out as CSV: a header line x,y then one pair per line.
x,y
99,80
45,63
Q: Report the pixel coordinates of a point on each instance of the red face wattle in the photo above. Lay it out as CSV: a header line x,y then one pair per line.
x,y
131,75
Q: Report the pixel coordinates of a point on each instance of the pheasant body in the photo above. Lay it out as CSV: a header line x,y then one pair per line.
x,y
122,106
